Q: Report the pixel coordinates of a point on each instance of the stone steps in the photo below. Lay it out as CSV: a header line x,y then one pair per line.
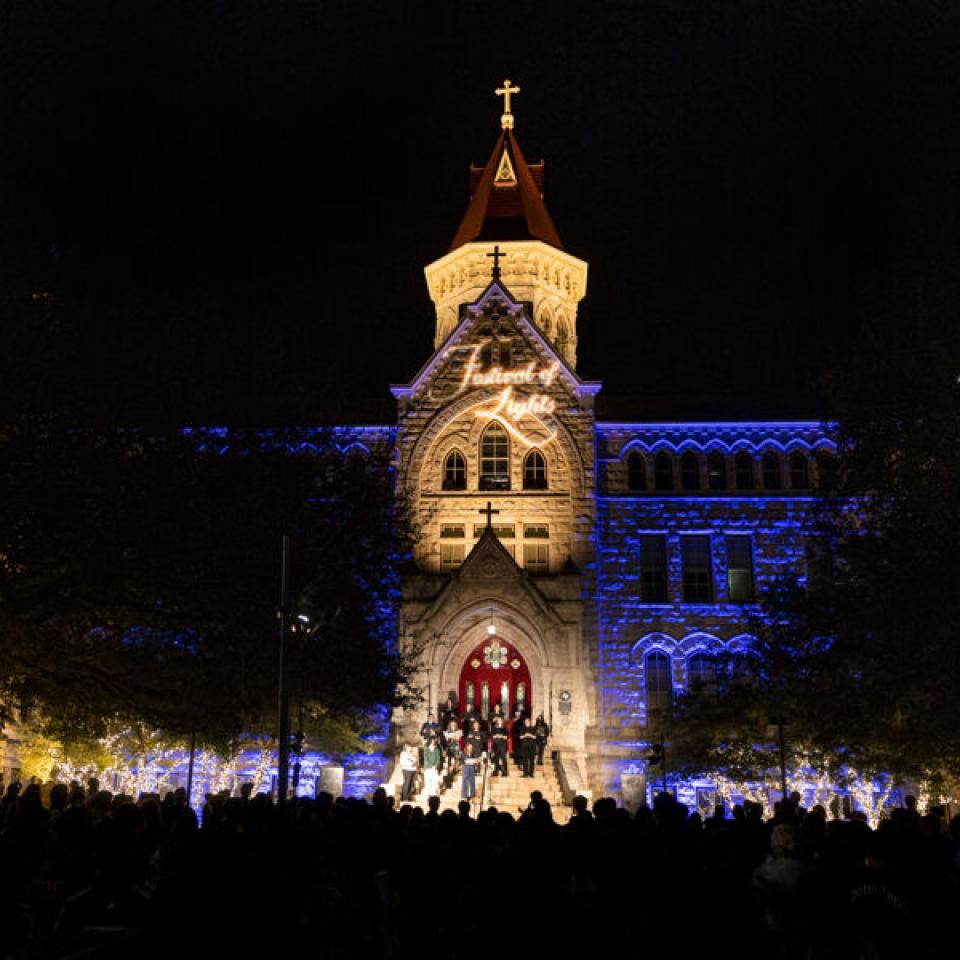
x,y
511,793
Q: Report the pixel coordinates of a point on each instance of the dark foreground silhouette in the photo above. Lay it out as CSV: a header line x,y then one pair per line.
x,y
90,874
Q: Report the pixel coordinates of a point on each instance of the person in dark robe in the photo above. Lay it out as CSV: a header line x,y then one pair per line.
x,y
516,732
495,714
468,718
500,739
475,736
542,730
430,727
449,711
528,748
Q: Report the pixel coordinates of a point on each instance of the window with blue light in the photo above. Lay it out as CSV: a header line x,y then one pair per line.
x,y
659,684
653,568
744,471
702,675
717,471
771,471
663,471
697,569
799,471
689,472
636,471
740,587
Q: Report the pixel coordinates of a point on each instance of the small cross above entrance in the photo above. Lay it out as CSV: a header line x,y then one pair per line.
x,y
497,254
488,511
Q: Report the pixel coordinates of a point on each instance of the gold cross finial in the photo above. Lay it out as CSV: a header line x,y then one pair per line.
x,y
506,91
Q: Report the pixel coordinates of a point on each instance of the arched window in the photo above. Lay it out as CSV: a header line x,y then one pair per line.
x,y
636,471
717,471
772,477
663,471
744,466
702,675
799,471
659,683
826,472
455,471
534,471
689,472
495,458
563,335
546,323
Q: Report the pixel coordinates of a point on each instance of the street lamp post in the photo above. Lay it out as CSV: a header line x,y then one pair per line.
x,y
775,726
283,695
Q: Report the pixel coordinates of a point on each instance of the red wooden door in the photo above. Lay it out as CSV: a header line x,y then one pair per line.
x,y
495,672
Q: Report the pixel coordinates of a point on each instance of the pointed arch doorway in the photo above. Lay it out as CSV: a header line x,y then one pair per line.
x,y
495,672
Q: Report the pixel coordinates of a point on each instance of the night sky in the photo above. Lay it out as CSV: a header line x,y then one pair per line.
x,y
232,202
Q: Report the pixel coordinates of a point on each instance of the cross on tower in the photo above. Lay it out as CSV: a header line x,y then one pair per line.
x,y
497,254
489,512
506,91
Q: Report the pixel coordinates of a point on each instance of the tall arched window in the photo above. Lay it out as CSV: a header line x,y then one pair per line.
x,y
659,683
702,675
717,471
772,474
826,472
495,458
744,467
563,335
546,323
663,471
455,471
689,472
799,471
534,471
636,471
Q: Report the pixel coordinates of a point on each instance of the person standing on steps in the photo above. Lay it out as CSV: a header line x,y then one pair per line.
x,y
470,716
430,728
408,767
451,738
432,757
516,732
500,746
449,711
474,735
528,748
542,730
468,783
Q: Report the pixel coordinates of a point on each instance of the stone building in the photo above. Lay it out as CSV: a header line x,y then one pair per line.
x,y
578,565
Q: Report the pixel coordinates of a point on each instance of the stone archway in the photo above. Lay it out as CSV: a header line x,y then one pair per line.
x,y
466,633
495,672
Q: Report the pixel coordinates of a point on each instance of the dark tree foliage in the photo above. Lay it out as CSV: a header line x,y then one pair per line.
x,y
862,662
139,576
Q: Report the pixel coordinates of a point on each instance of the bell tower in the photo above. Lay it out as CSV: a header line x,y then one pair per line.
x,y
506,207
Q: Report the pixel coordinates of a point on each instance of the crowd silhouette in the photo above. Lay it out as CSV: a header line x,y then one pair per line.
x,y
86,873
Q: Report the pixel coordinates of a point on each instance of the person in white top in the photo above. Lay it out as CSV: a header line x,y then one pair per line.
x,y
408,767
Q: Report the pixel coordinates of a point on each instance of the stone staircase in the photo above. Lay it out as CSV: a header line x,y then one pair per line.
x,y
511,794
